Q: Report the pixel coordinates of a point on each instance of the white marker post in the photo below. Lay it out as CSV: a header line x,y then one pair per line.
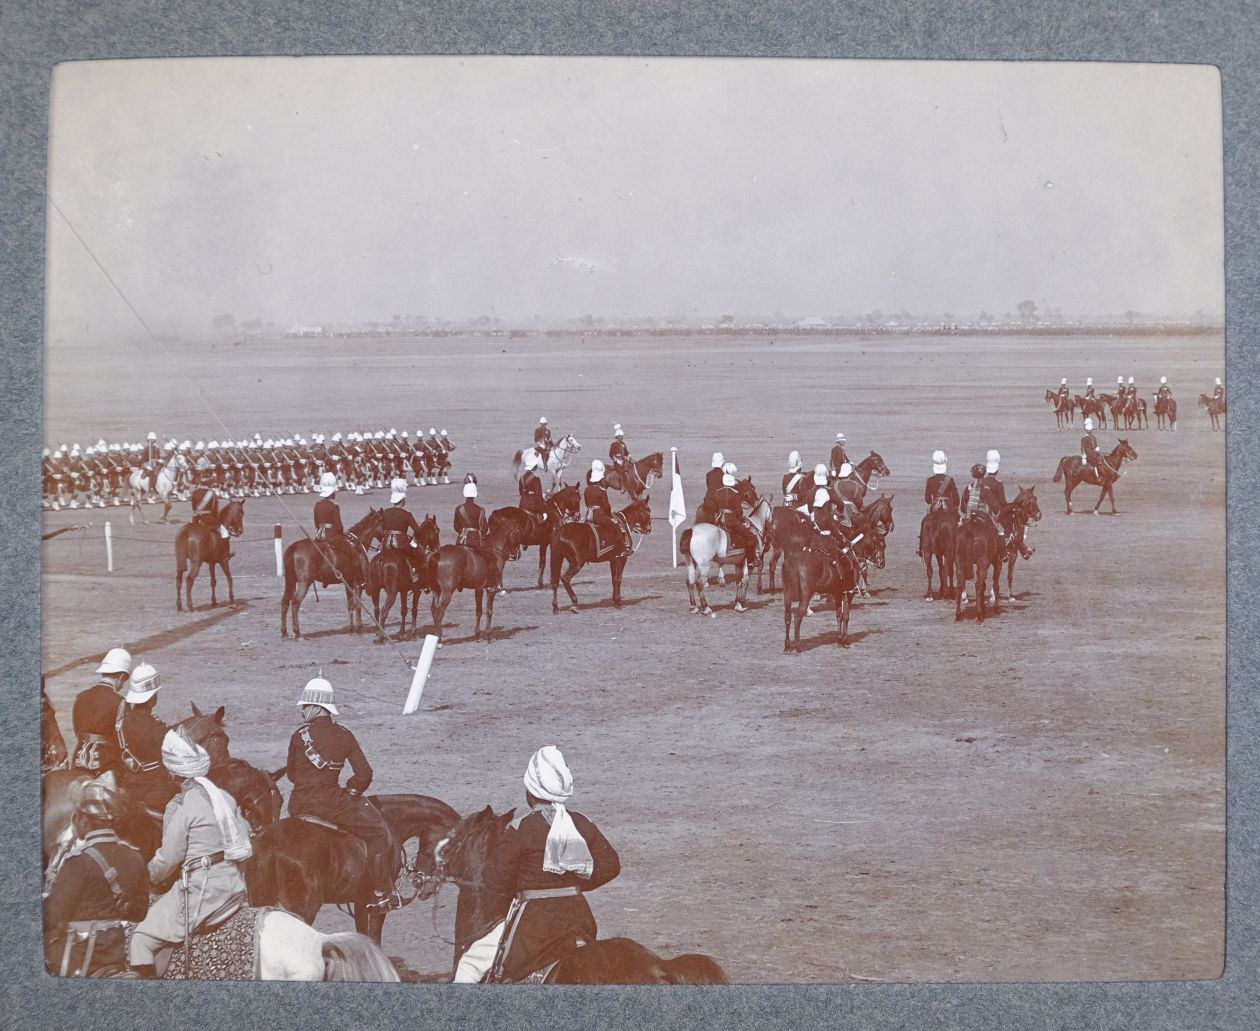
x,y
279,553
109,547
677,507
421,674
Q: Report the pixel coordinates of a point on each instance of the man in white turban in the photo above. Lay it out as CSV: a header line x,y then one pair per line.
x,y
546,862
204,837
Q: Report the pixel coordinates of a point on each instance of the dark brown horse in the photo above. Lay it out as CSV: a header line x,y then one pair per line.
x,y
1064,408
939,530
309,561
53,755
575,545
635,478
1072,471
853,488
809,570
1092,407
562,506
1165,412
255,791
462,859
787,530
302,866
1215,409
977,555
395,572
459,566
1015,518
1134,413
197,544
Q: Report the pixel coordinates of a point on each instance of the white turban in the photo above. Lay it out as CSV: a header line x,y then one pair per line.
x,y
547,777
183,757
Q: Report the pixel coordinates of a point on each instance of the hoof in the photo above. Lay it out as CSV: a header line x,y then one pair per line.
x,y
740,608
809,612
573,608
694,610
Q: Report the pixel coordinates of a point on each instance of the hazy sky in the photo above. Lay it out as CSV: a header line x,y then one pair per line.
x,y
346,189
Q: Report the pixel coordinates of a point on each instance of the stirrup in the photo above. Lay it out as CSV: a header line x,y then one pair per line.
x,y
386,901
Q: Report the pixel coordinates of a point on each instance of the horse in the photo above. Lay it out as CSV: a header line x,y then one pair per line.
x,y
197,544
1215,409
976,553
939,531
254,790
852,489
1064,408
1135,413
395,571
1073,471
461,858
168,478
137,824
458,566
558,459
562,507
576,544
309,561
1165,411
1093,407
809,570
704,542
53,755
1015,518
1115,404
635,478
301,865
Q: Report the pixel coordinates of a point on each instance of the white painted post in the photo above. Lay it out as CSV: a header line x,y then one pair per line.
x,y
279,552
109,547
421,674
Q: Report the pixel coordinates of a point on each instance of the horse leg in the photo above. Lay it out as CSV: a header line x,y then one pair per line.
x,y
542,559
927,562
774,561
166,509
194,567
179,586
489,616
743,573
787,622
845,602
477,593
615,568
214,599
298,595
441,598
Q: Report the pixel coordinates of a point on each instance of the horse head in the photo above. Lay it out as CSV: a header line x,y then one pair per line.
x,y
206,729
367,528
881,512
429,535
638,515
232,518
461,856
1027,500
873,464
746,491
569,443
655,463
1126,450
567,501
1051,397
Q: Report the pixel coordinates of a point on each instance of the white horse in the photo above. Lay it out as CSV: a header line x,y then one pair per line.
x,y
557,461
705,543
168,478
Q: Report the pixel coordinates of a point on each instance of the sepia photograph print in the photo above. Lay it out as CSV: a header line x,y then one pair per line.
x,y
634,521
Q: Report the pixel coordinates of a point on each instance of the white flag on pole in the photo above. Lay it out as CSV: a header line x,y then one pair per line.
x,y
677,509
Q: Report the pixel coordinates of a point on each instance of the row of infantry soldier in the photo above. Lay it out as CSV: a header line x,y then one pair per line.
x,y
550,858
100,474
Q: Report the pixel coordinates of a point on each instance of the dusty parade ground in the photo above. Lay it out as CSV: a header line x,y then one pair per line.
x,y
1038,798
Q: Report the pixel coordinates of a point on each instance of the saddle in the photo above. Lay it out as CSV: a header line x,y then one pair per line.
x,y
603,544
224,948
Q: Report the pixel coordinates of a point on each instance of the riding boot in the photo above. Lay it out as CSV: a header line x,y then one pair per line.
x,y
147,971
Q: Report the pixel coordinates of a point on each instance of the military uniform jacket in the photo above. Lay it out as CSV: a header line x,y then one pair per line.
x,y
941,485
318,751
548,928
397,519
713,479
328,517
95,712
794,487
724,501
542,437
993,493
530,484
618,452
140,740
1089,445
470,516
81,891
596,498
838,457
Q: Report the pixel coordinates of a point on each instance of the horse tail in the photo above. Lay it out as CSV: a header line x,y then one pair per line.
x,y
684,544
693,968
290,573
181,551
516,465
1058,473
355,957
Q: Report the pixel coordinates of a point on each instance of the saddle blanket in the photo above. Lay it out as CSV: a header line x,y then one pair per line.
x,y
227,953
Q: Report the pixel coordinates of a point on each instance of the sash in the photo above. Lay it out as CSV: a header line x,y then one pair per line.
x,y
132,761
316,760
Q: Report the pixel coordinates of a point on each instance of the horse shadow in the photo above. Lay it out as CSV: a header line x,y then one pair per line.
x,y
607,603
500,634
828,639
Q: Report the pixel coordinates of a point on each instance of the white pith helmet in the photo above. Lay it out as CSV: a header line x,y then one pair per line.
x,y
1063,382
846,469
821,497
151,436
717,459
145,683
939,462
1163,380
991,461
318,692
397,490
617,432
1130,379
839,437
441,433
328,485
820,474
117,660
1119,379
794,462
597,471
1089,424
432,431
542,421
1218,381
470,490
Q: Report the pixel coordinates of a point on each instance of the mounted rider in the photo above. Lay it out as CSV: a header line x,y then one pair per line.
x,y
727,511
94,713
1218,393
204,838
1091,454
1089,388
205,509
328,528
848,489
94,876
141,776
151,459
809,494
1064,391
399,528
542,440
318,751
839,456
975,500
530,488
1131,392
794,484
713,478
599,511
821,512
545,862
1164,393
618,452
471,528
995,492
939,493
